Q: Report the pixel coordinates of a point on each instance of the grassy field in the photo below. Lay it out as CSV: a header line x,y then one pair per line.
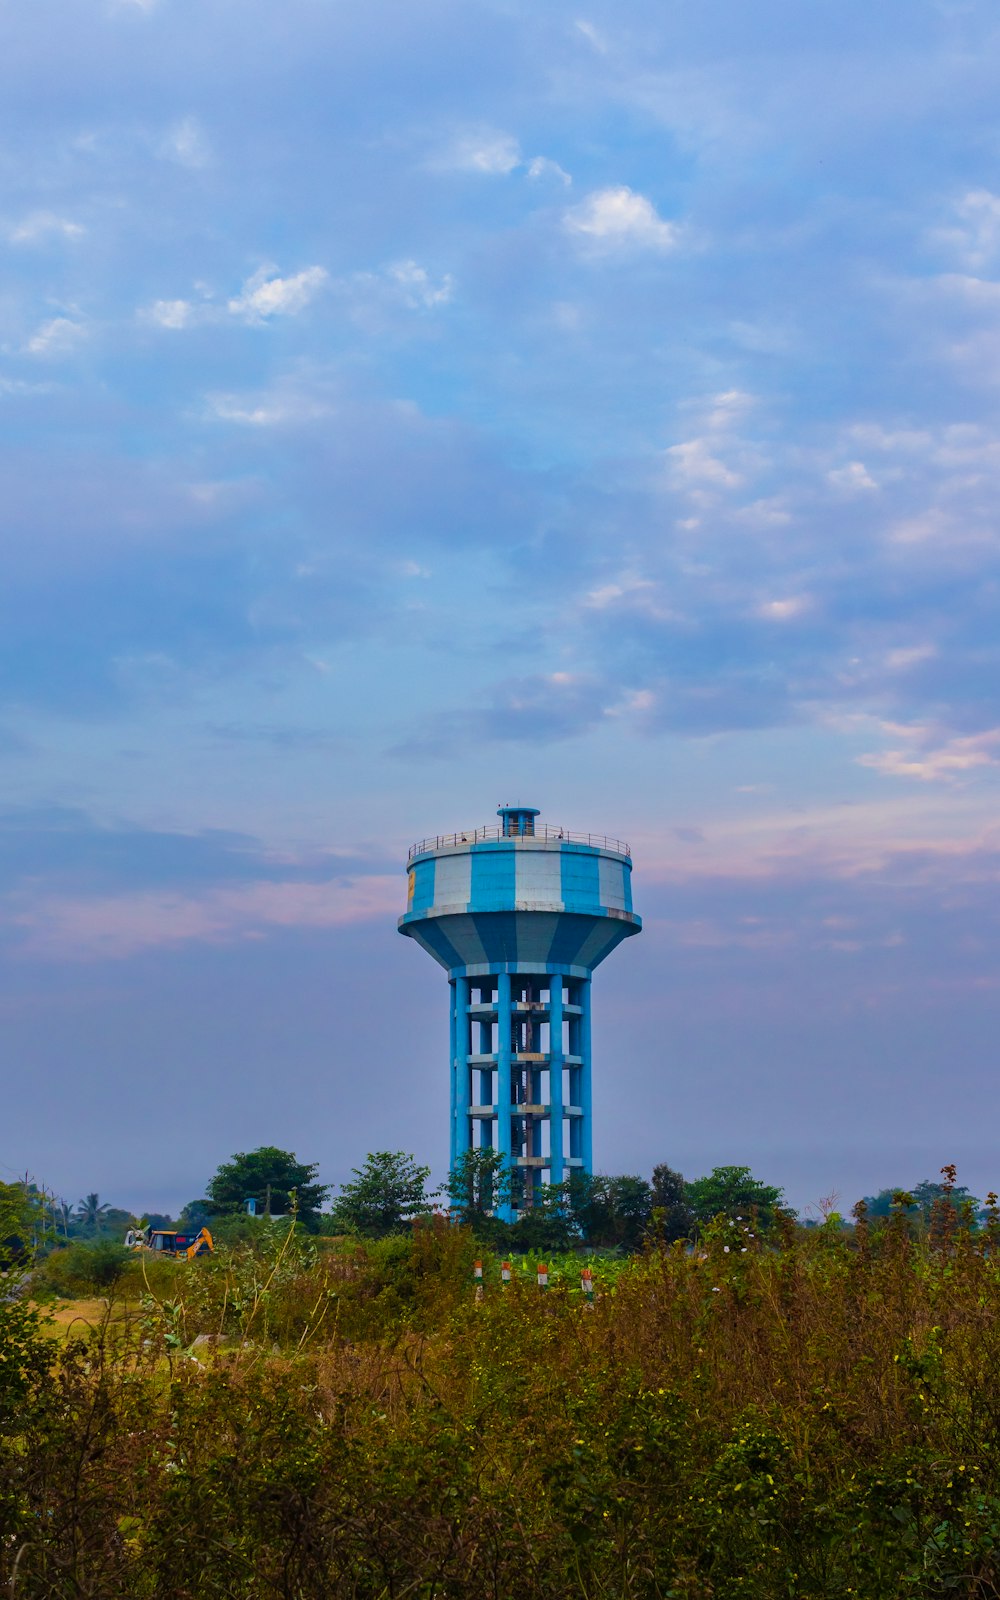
x,y
811,1413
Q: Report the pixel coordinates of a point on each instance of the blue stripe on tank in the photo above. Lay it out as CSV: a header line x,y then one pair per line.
x,y
498,933
493,880
569,935
581,880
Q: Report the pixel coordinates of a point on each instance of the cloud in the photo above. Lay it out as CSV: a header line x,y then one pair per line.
x,y
539,709
136,888
931,762
492,153
541,167
908,656
171,313
975,237
620,218
693,462
93,928
853,478
58,337
267,295
628,585
784,610
727,408
290,401
595,39
186,144
416,286
43,224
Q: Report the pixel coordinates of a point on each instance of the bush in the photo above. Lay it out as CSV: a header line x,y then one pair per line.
x,y
86,1269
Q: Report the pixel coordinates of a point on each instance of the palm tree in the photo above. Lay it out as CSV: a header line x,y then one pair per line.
x,y
89,1212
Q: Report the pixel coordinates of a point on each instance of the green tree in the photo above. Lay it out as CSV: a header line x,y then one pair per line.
x,y
630,1203
269,1176
387,1193
479,1184
548,1224
732,1191
20,1220
90,1213
672,1215
613,1212
920,1201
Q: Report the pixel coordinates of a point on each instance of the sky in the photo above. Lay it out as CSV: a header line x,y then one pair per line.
x,y
411,407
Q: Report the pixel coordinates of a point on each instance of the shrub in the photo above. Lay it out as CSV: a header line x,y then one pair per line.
x,y
86,1269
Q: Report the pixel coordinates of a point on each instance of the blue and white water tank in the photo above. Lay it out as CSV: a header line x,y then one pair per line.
x,y
519,915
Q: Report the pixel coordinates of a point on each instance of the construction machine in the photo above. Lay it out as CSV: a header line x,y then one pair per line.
x,y
167,1242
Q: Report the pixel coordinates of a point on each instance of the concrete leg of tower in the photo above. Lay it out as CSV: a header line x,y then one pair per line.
x,y
495,1081
504,1096
586,1093
453,1077
463,1071
556,1078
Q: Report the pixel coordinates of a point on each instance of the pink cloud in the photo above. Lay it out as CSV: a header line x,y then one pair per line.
x,y
116,926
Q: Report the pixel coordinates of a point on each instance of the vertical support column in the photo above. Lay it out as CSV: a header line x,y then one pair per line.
x,y
586,1095
503,1100
556,1078
453,1080
463,1074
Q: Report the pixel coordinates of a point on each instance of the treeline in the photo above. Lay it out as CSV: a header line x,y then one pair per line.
x,y
392,1189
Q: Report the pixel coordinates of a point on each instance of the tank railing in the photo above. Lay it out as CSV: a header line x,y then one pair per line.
x,y
445,841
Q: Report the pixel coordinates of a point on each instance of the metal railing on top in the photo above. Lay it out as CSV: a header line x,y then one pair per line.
x,y
444,841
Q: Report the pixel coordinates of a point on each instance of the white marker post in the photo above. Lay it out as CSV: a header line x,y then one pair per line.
x,y
587,1285
477,1273
543,1275
505,1272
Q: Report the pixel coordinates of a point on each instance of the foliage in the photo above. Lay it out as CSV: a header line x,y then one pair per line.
x,y
197,1214
386,1194
85,1267
610,1213
19,1216
480,1183
921,1201
159,1220
672,1216
271,1177
802,1417
730,1191
90,1213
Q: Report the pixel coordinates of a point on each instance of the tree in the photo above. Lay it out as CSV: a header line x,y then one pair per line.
x,y
196,1214
18,1224
159,1220
387,1193
90,1213
920,1200
611,1212
672,1217
267,1175
732,1191
478,1184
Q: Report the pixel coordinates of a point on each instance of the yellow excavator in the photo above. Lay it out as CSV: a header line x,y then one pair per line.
x,y
167,1242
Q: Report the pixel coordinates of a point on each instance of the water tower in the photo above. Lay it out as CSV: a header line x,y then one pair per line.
x,y
519,915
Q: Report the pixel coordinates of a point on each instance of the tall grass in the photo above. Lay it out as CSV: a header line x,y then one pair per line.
x,y
811,1414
